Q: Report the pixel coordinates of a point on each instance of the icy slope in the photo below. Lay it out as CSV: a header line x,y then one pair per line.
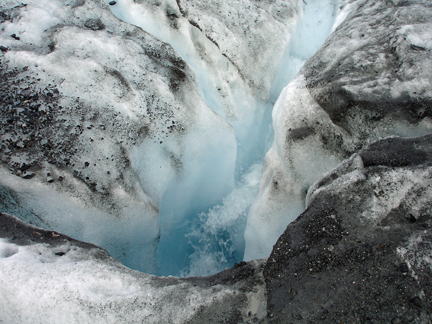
x,y
371,79
235,48
99,119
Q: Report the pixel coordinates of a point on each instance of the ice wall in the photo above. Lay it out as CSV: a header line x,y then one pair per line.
x,y
281,197
152,153
100,120
235,50
241,64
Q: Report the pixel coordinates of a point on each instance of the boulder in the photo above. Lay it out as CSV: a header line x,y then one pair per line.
x,y
360,252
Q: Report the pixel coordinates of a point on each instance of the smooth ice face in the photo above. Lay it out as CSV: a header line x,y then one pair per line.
x,y
318,20
280,198
285,181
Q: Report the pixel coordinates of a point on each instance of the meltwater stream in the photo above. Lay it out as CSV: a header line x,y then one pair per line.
x,y
201,230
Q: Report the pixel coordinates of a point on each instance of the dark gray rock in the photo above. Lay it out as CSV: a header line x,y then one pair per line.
x,y
354,255
28,175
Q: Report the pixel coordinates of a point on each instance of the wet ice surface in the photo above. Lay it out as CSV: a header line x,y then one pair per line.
x,y
142,151
107,138
217,236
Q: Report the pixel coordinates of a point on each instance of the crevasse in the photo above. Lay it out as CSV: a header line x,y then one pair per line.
x,y
201,230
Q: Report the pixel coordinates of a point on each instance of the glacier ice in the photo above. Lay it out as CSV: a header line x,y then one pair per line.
x,y
246,116
113,131
217,236
232,105
146,158
145,154
365,220
60,279
235,50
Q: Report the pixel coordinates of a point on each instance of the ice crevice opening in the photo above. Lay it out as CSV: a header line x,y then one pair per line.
x,y
203,216
203,212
